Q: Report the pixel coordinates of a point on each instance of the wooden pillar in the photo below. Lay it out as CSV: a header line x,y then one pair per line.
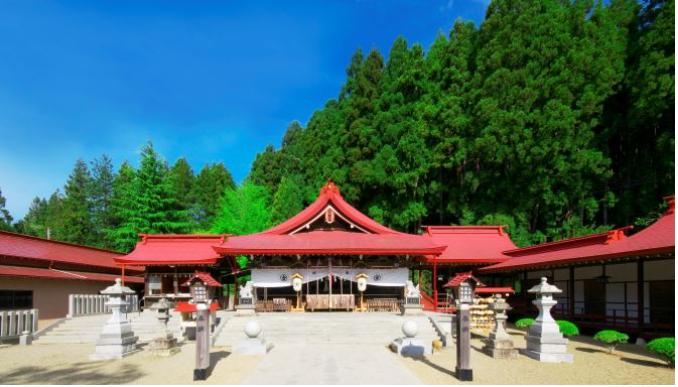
x,y
570,292
640,272
435,286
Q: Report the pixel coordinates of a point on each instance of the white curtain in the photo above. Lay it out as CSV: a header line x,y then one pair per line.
x,y
277,278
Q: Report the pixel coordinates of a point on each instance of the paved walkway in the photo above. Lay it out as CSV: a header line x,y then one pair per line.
x,y
331,363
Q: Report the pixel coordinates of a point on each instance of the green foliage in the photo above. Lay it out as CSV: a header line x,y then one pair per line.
x,y
524,322
208,189
518,122
611,338
665,347
101,196
567,328
287,201
77,223
244,210
5,217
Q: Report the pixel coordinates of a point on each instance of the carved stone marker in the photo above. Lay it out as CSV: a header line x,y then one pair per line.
x,y
246,300
410,345
544,340
500,345
255,344
412,305
117,339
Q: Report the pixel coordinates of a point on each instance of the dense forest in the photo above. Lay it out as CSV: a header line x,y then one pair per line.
x,y
554,118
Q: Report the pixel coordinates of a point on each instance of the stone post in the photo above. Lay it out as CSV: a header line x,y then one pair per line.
x,y
500,345
117,339
544,340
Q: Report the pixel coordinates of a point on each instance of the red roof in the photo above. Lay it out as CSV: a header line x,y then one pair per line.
x,y
470,244
366,236
169,249
204,277
461,277
495,290
33,272
330,242
658,238
25,246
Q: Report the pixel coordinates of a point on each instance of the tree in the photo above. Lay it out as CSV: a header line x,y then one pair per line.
x,y
5,217
244,210
208,189
123,233
611,338
182,180
78,206
103,179
287,201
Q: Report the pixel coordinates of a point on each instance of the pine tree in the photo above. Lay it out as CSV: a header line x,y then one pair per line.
x,y
5,217
103,178
209,187
123,233
78,206
182,179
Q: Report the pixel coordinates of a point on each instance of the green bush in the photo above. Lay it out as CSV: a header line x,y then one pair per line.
x,y
665,347
611,338
524,322
567,328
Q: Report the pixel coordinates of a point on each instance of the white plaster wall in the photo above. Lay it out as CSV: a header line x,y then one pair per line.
x,y
561,274
622,271
660,270
587,272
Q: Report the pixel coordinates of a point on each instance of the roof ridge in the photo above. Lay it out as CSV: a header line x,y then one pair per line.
x,y
605,237
59,242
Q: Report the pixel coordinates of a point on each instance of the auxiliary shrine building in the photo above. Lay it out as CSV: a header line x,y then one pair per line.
x,y
317,259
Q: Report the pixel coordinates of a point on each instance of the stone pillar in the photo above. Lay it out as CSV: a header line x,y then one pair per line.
x,y
544,340
117,339
500,345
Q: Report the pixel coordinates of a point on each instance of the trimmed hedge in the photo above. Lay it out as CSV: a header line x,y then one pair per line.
x,y
567,328
611,338
524,322
665,347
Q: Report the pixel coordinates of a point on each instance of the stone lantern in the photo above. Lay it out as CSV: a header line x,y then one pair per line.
x,y
544,340
165,344
500,345
117,339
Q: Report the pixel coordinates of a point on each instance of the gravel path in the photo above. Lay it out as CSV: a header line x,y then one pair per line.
x,y
630,364
331,364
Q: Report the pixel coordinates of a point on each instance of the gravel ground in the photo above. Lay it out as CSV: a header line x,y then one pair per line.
x,y
69,364
629,364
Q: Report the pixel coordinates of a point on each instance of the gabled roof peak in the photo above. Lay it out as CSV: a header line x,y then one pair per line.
x,y
330,187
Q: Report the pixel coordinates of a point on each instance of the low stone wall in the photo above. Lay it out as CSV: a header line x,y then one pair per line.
x,y
14,322
91,304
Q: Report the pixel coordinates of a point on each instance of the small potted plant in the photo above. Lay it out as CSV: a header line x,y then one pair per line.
x,y
567,328
664,347
611,338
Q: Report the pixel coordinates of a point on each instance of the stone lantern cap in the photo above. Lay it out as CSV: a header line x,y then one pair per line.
x,y
117,289
544,288
162,304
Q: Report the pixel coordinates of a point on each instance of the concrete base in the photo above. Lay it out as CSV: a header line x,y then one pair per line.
x,y
548,357
411,347
500,348
244,310
26,339
116,341
412,310
164,345
254,346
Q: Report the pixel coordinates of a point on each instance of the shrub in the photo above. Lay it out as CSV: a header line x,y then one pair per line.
x,y
524,322
567,328
611,338
665,347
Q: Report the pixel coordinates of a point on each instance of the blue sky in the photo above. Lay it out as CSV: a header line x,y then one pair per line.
x,y
209,80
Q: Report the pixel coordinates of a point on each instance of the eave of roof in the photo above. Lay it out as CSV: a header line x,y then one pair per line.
x,y
173,249
37,272
469,244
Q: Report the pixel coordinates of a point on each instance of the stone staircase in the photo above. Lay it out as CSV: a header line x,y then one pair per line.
x,y
86,329
326,328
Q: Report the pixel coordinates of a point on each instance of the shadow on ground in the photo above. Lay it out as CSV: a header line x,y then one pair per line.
x,y
78,373
435,366
215,357
590,350
643,362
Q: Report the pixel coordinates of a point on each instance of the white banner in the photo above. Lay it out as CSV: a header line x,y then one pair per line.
x,y
277,278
